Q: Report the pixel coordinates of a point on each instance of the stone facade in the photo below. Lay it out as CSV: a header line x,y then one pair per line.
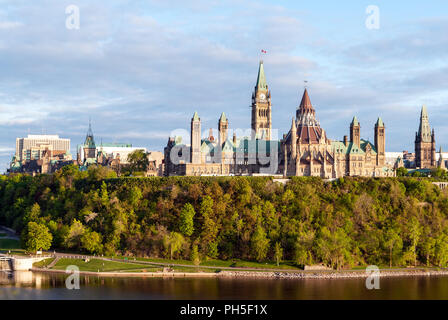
x,y
307,151
425,143
222,155
304,151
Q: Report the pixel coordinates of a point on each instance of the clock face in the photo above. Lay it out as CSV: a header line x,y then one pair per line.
x,y
262,96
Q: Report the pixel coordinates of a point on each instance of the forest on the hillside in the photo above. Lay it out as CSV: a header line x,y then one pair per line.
x,y
342,223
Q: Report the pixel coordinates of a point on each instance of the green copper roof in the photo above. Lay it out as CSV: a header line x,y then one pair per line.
x,y
355,121
116,145
379,122
196,116
90,141
261,79
223,117
351,148
207,146
228,146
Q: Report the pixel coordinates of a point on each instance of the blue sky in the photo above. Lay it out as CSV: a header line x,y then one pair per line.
x,y
140,69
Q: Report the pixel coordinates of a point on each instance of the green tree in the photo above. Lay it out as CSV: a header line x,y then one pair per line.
x,y
414,232
92,241
186,220
278,254
260,243
210,227
173,243
194,256
441,251
334,247
392,241
401,172
138,161
33,214
75,233
37,236
303,248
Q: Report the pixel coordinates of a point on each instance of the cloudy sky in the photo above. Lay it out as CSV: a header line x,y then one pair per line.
x,y
141,68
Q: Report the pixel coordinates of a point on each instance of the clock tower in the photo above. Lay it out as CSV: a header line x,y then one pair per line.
x,y
261,108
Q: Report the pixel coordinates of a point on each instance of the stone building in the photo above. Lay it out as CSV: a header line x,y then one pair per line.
x,y
40,154
31,147
304,151
307,151
425,143
221,155
113,155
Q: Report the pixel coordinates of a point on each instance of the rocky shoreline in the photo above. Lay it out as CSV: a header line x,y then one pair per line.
x,y
334,274
350,274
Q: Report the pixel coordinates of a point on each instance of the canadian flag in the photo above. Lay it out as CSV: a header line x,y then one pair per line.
x,y
263,51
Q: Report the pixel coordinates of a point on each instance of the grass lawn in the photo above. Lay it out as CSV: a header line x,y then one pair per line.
x,y
43,263
103,266
287,265
2,234
9,244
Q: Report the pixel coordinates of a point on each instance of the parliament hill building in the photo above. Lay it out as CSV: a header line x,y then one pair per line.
x,y
304,151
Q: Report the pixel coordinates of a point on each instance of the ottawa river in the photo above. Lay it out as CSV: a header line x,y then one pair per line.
x,y
28,285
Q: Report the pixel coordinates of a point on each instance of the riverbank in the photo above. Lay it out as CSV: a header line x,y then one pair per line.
x,y
343,274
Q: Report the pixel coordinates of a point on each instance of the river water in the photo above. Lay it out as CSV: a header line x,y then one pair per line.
x,y
29,285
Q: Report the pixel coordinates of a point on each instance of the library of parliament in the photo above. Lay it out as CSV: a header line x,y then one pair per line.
x,y
304,151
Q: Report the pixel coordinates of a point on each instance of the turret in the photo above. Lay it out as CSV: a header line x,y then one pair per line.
x,y
261,108
195,137
223,126
293,139
380,142
355,128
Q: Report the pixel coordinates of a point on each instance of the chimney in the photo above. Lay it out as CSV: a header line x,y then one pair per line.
x,y
346,141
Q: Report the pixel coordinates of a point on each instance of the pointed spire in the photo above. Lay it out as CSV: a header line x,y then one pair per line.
x,y
424,112
89,131
261,79
379,122
424,130
293,124
90,141
196,116
223,117
305,103
355,121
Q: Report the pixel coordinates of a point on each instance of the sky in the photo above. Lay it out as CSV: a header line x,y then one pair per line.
x,y
140,69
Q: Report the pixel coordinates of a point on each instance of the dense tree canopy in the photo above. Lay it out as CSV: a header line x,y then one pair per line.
x,y
346,222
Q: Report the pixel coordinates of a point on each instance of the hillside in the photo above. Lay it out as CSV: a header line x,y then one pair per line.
x,y
344,223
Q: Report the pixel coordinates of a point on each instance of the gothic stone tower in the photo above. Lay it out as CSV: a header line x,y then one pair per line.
x,y
89,147
223,127
355,134
305,146
195,135
425,143
380,142
261,108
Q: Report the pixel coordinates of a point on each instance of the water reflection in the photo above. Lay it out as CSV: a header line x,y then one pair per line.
x,y
29,285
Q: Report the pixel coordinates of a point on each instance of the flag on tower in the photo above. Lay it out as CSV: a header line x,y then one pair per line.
x,y
263,51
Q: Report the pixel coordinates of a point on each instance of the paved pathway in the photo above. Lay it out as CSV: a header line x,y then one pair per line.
x,y
51,265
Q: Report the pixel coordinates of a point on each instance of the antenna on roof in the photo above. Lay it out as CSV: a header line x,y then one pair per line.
x,y
305,83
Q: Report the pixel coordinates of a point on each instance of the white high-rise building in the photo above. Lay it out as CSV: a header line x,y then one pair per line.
x,y
29,148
